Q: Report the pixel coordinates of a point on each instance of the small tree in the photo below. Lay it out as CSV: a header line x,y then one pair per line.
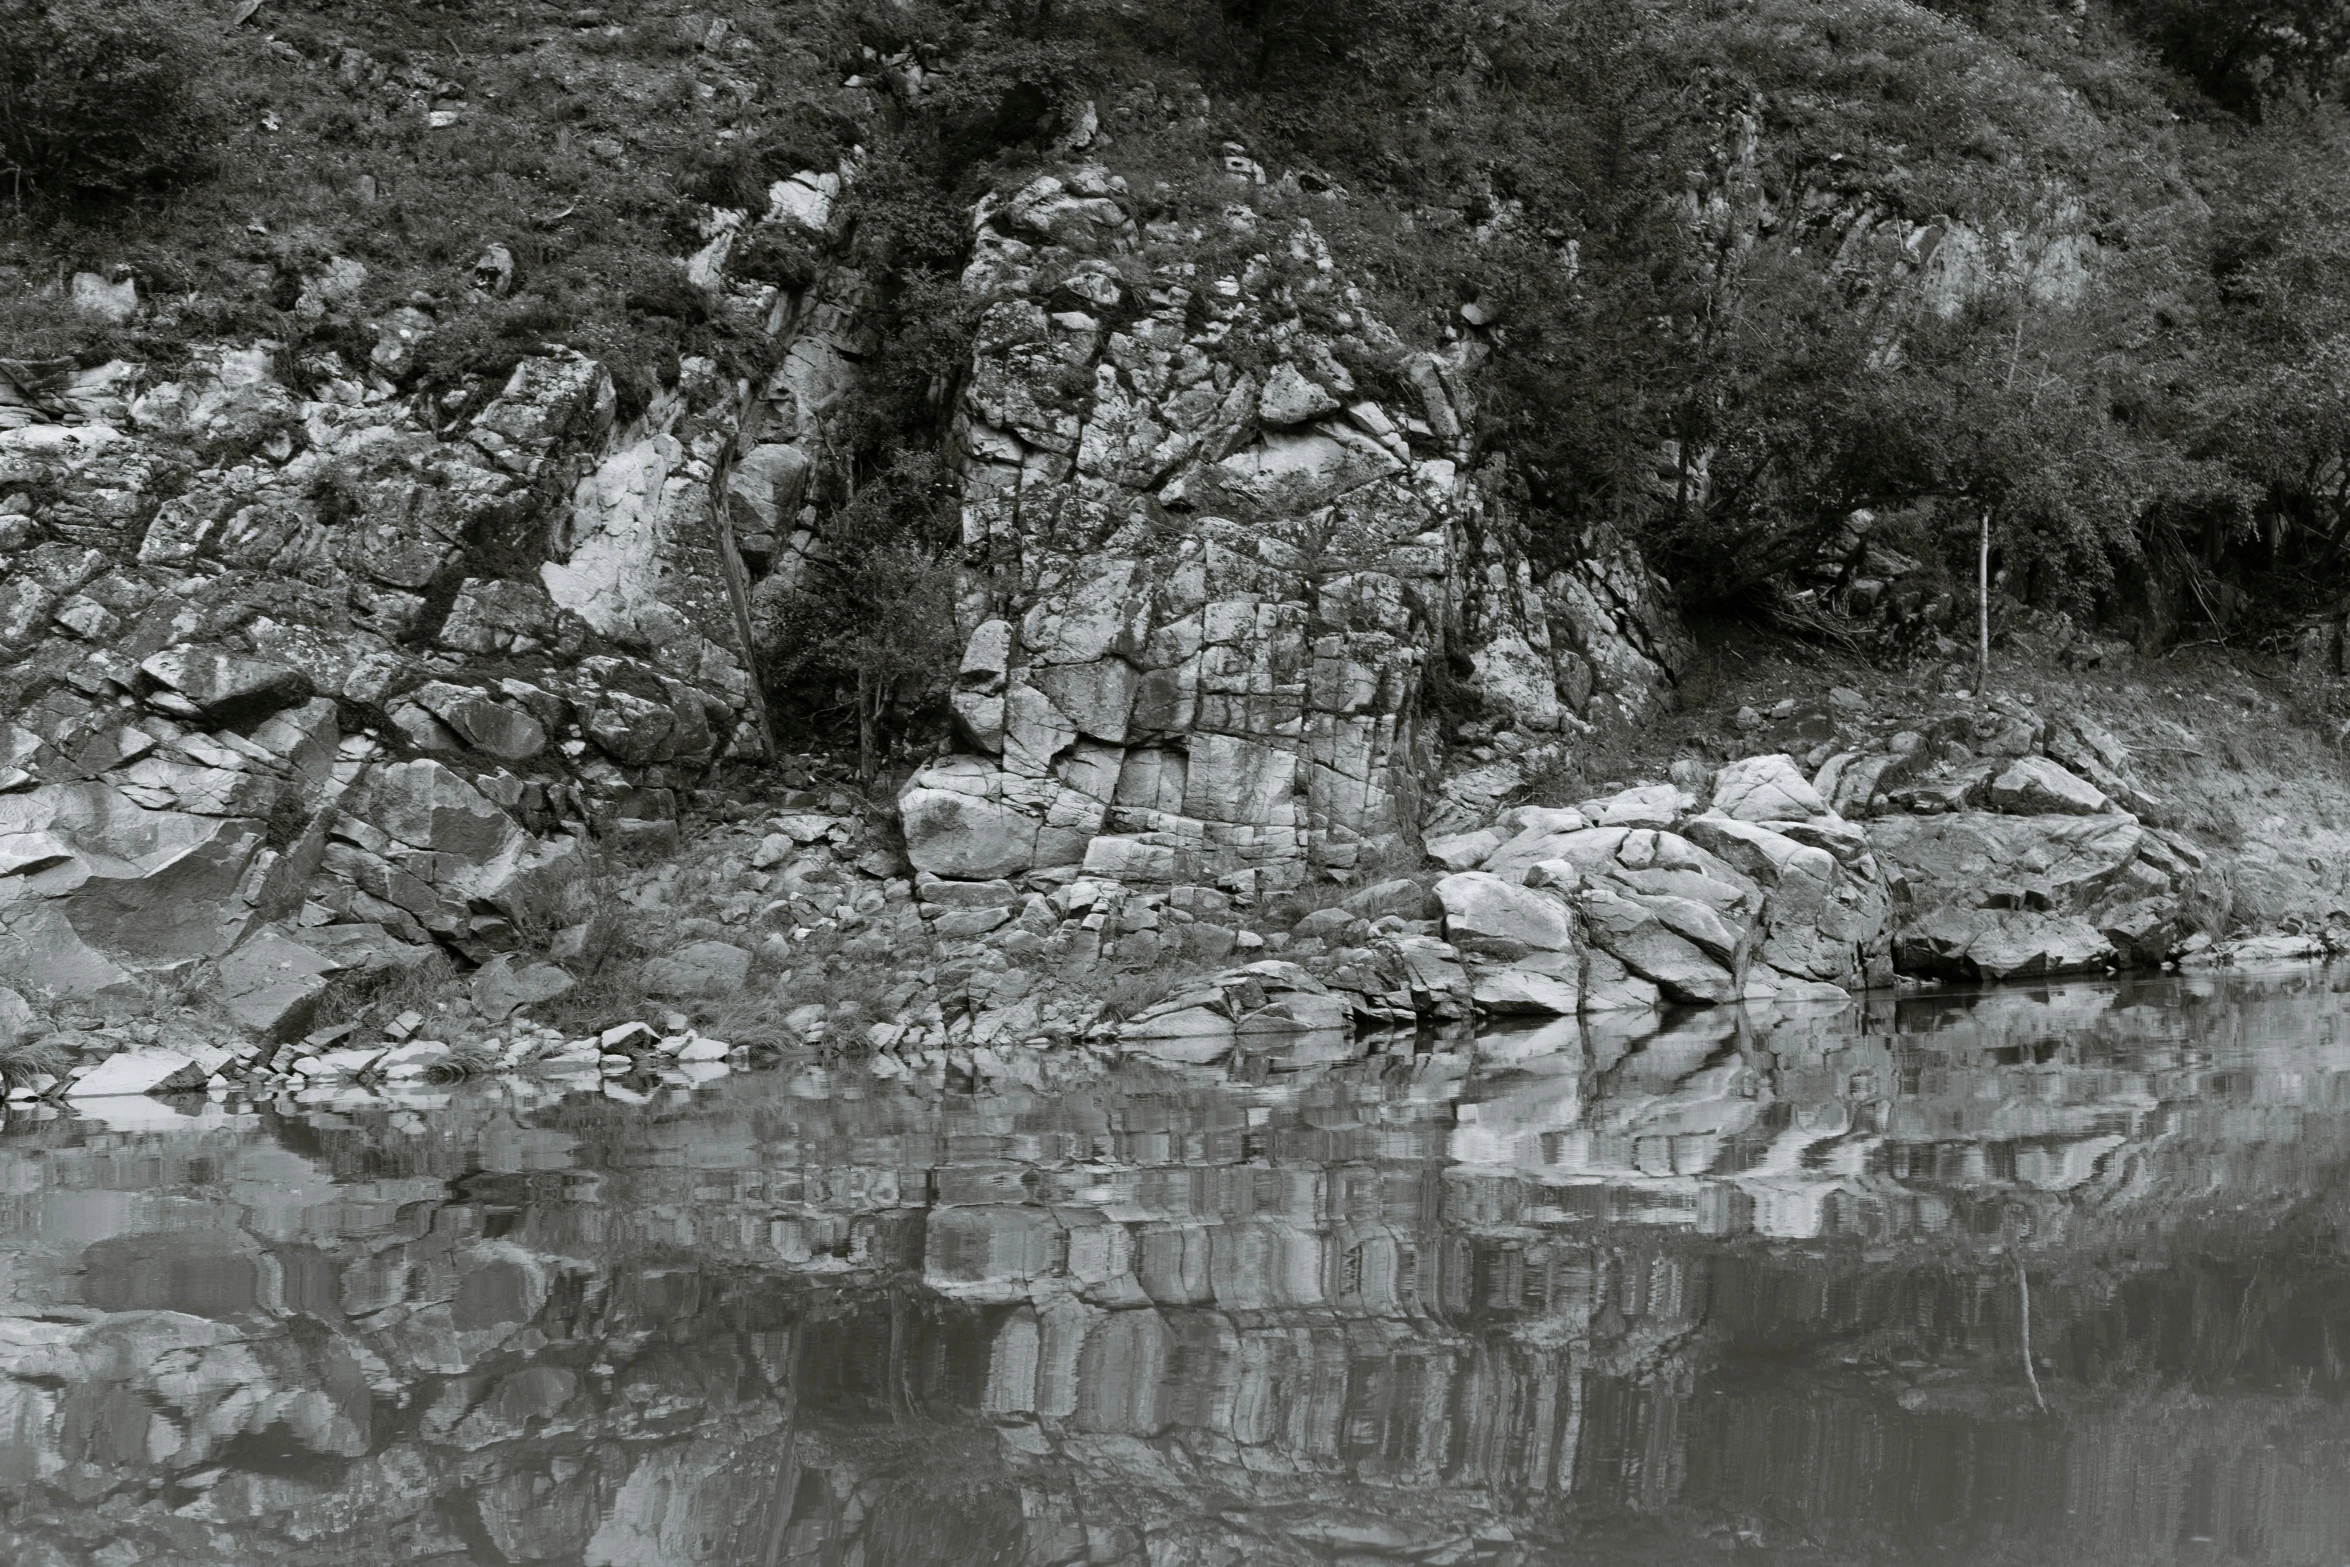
x,y
876,615
101,97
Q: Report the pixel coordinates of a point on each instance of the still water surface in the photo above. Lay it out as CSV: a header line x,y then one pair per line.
x,y
1750,1290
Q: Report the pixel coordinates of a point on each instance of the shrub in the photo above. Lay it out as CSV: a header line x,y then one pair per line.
x,y
101,97
2246,54
879,618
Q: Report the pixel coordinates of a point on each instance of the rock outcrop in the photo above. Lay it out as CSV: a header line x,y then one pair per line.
x,y
1643,898
1213,577
303,676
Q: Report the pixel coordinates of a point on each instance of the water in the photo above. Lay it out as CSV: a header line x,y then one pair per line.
x,y
1742,1291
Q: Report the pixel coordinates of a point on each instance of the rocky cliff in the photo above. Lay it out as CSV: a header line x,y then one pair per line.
x,y
1216,579
315,676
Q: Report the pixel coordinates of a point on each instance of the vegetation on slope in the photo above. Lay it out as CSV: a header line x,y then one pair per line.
x,y
1745,267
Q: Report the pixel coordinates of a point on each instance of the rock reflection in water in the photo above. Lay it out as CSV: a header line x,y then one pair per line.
x,y
1752,1284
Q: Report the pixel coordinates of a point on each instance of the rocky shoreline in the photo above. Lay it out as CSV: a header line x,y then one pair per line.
x,y
357,738
1745,888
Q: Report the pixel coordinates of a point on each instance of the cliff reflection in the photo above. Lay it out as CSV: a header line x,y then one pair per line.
x,y
1751,1283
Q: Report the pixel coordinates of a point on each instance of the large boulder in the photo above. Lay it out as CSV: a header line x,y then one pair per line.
x,y
959,825
1954,943
271,984
2036,786
427,806
1766,789
699,970
1984,895
1479,906
1653,937
2068,863
226,687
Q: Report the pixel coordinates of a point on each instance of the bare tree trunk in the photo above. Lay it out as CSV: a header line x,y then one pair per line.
x,y
1983,608
868,714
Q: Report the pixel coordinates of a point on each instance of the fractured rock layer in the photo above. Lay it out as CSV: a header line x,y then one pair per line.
x,y
1213,576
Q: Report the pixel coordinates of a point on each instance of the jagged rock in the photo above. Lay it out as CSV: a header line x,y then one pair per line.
x,y
1399,896
1982,895
226,687
1464,851
17,1019
2034,786
426,806
958,824
1958,943
485,724
271,984
2262,949
1289,398
1765,789
507,984
699,969
765,489
1537,983
1650,805
1323,924
2074,862
1609,986
1658,938
1480,906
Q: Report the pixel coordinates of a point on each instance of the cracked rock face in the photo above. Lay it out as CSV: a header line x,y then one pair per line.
x,y
281,704
1212,576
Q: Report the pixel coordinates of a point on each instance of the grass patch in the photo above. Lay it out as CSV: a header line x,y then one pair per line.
x,y
28,1060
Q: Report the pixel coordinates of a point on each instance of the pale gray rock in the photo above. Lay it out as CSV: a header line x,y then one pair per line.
x,y
18,1022
1649,805
1481,906
1290,398
482,722
2036,786
1463,851
1995,944
962,924
968,831
699,970
1540,982
139,1071
2073,862
1591,850
271,984
225,686
1400,896
427,806
1323,924
506,984
764,491
1765,789
1609,986
1636,931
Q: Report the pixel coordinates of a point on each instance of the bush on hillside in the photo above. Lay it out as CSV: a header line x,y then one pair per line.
x,y
100,97
2248,53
